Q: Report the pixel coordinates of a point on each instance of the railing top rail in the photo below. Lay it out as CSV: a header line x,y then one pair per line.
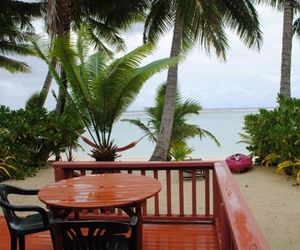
x,y
246,232
134,165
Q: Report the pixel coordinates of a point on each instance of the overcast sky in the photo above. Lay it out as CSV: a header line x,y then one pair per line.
x,y
248,78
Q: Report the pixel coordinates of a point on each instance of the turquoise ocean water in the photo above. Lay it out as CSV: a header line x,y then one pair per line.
x,y
224,124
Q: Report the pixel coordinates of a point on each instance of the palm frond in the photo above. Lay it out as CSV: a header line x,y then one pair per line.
x,y
296,27
146,129
245,138
273,3
180,151
115,79
159,20
202,24
138,79
59,81
242,17
204,132
13,65
108,35
14,48
15,33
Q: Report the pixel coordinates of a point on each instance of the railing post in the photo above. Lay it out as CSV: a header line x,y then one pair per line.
x,y
216,197
225,232
59,173
207,199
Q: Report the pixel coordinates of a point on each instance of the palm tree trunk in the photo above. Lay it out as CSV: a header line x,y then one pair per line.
x,y
46,86
63,28
164,136
61,99
286,54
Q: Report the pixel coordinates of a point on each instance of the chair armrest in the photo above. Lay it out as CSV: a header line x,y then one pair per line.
x,y
28,208
30,191
17,190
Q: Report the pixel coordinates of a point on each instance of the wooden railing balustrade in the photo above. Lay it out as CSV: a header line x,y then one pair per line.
x,y
179,186
192,192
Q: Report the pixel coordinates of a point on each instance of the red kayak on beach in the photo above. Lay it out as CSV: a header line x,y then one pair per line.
x,y
238,162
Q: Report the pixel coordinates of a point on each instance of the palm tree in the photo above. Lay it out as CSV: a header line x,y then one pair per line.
x,y
201,22
181,131
289,7
102,91
105,20
15,32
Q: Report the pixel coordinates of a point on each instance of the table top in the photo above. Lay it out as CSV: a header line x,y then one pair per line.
x,y
99,191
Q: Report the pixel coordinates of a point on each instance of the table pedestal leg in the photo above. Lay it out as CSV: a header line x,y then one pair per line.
x,y
139,229
136,242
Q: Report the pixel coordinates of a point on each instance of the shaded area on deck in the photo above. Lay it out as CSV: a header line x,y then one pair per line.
x,y
156,237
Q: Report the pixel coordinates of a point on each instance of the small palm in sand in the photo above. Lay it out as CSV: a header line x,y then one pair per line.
x,y
182,131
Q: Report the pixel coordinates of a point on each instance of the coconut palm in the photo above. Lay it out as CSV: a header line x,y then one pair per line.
x,y
101,90
181,131
289,7
15,32
104,18
196,22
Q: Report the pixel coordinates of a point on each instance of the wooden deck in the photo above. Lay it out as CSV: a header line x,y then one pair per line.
x,y
207,213
156,237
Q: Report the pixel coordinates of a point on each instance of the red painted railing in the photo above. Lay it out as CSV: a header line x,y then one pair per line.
x,y
192,192
236,226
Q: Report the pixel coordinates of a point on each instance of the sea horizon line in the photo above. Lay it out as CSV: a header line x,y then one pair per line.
x,y
232,109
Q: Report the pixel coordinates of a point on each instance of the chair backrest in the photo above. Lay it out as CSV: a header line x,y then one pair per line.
x,y
5,190
90,235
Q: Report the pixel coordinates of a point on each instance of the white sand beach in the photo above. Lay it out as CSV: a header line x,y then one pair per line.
x,y
273,200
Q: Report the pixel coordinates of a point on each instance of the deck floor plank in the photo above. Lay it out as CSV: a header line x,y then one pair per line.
x,y
156,237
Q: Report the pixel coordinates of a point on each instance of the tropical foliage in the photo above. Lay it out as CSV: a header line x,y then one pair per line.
x,y
29,135
273,136
181,131
181,152
15,32
290,167
6,169
100,89
196,22
104,19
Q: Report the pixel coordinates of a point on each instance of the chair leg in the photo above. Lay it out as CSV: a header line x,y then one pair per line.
x,y
22,242
53,239
13,242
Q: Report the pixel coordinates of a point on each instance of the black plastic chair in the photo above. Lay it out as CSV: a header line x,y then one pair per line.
x,y
92,234
20,226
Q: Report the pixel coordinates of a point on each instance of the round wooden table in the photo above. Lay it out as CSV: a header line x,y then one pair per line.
x,y
104,191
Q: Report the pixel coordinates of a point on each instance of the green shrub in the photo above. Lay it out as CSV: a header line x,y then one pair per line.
x,y
273,136
32,135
